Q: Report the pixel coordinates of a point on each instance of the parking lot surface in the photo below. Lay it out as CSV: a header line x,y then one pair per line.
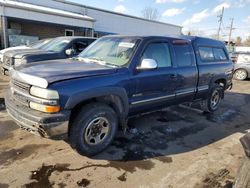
x,y
175,147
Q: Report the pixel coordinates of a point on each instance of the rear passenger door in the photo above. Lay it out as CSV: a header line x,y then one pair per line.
x,y
187,73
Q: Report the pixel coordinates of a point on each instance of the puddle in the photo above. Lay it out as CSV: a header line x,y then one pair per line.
x,y
41,176
7,157
149,144
83,183
61,185
3,185
226,116
167,116
6,128
122,177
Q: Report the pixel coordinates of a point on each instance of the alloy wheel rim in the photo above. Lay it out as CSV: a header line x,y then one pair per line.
x,y
240,74
215,99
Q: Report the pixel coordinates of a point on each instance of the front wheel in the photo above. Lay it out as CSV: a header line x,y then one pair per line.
x,y
93,129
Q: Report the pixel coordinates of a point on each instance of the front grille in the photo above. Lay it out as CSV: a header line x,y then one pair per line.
x,y
7,60
21,86
19,90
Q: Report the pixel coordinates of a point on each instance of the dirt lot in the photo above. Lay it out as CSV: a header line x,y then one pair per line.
x,y
176,147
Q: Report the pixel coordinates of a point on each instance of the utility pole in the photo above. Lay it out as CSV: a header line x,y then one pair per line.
x,y
220,22
230,30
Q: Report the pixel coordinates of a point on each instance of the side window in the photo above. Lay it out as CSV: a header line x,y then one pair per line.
x,y
158,51
78,47
219,54
183,55
206,53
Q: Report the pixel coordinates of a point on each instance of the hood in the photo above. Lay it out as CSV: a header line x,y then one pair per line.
x,y
14,48
42,56
19,53
58,70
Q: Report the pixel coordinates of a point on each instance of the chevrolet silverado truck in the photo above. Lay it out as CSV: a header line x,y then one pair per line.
x,y
85,99
57,48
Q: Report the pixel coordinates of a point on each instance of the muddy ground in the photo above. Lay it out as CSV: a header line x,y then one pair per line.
x,y
175,147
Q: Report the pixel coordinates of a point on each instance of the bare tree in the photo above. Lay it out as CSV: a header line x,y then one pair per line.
x,y
238,41
247,42
195,32
150,13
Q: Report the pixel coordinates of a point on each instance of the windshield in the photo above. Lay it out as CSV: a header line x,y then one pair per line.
x,y
56,45
115,51
39,44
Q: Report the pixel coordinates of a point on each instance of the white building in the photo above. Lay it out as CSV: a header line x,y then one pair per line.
x,y
24,20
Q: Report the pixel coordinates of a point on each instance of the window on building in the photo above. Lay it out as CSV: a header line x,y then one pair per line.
x,y
183,55
159,52
206,53
219,54
69,32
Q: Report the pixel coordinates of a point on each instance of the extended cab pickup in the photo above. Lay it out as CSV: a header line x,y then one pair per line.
x,y
86,98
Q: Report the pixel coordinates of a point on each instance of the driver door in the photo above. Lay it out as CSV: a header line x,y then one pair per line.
x,y
155,88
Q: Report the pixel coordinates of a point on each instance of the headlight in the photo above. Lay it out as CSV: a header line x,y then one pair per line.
x,y
24,61
44,108
44,93
17,62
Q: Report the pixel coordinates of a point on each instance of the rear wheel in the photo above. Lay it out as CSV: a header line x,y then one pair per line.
x,y
93,129
240,74
212,103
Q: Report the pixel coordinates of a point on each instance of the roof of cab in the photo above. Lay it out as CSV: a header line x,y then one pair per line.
x,y
75,37
193,39
203,41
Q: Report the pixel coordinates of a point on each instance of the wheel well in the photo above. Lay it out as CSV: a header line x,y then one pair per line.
x,y
222,82
115,102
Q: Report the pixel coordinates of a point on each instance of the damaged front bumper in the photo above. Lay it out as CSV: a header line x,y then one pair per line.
x,y
54,126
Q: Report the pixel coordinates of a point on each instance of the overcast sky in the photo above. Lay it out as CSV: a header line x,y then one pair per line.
x,y
198,15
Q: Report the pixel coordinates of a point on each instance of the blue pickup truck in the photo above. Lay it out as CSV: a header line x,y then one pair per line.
x,y
86,98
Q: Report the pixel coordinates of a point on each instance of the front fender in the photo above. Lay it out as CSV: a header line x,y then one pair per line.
x,y
99,92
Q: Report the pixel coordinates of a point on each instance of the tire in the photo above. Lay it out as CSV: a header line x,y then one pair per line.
x,y
212,103
240,74
93,129
242,179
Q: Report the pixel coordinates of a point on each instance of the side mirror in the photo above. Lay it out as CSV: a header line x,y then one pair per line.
x,y
147,64
69,52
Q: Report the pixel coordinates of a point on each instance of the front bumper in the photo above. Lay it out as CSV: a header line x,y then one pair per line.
x,y
54,126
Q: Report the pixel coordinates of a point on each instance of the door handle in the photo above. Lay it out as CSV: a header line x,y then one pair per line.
x,y
173,76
